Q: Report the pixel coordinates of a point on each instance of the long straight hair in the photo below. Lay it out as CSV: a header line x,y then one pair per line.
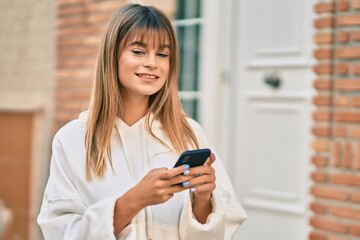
x,y
147,24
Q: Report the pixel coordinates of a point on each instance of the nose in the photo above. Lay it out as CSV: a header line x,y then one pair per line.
x,y
150,61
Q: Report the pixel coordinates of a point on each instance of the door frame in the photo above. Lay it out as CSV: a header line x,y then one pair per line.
x,y
219,84
215,100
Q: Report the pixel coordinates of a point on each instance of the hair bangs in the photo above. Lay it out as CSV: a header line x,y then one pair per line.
x,y
151,32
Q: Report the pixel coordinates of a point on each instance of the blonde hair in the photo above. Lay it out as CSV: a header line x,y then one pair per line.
x,y
143,23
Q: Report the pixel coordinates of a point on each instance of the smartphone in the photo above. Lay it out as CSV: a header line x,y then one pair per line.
x,y
193,158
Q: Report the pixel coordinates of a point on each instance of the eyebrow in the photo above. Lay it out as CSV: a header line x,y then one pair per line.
x,y
141,44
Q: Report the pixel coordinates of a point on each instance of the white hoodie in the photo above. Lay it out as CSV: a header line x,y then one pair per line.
x,y
74,208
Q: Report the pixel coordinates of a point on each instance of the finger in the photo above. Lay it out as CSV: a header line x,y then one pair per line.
x,y
201,180
175,189
211,159
201,170
179,179
205,188
170,173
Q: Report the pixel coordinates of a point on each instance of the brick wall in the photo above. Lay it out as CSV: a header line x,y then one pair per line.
x,y
336,188
80,26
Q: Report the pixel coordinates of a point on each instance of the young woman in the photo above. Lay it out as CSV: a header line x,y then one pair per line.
x,y
112,174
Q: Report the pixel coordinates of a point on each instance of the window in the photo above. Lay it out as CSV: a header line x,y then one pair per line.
x,y
188,25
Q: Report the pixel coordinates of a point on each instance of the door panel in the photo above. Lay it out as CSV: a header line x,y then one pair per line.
x,y
273,41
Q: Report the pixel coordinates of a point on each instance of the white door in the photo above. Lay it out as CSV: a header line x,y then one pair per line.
x,y
271,141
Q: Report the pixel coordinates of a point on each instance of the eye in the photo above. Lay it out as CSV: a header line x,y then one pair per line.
x,y
163,55
137,52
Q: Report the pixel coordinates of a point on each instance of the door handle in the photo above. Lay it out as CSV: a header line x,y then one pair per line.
x,y
273,80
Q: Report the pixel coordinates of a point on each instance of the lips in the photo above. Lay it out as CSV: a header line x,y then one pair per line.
x,y
147,76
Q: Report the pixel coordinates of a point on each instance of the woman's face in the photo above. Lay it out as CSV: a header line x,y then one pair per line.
x,y
143,68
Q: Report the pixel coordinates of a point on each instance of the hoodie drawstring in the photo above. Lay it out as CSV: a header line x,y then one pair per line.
x,y
148,211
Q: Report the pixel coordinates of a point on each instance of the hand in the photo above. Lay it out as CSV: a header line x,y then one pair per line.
x,y
159,185
203,181
202,185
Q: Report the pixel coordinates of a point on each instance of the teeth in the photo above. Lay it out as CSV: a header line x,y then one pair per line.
x,y
146,76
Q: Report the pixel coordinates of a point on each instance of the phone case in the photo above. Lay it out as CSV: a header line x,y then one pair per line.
x,y
193,158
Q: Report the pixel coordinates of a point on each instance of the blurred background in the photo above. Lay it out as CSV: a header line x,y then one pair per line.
x,y
274,83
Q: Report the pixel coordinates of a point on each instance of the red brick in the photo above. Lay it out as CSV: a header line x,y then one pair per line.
x,y
322,84
322,100
77,95
324,7
323,68
343,5
322,116
70,42
88,30
321,131
67,84
320,176
335,238
73,20
66,116
349,179
341,132
73,10
347,212
320,161
319,208
342,37
324,22
347,157
348,20
355,133
347,117
323,37
348,52
356,36
342,68
355,197
320,145
76,63
80,52
336,154
330,193
347,84
355,230
323,53
342,101
356,4
106,5
73,106
356,69
330,225
355,101
356,162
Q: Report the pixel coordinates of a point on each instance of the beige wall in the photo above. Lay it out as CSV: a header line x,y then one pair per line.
x,y
26,46
26,82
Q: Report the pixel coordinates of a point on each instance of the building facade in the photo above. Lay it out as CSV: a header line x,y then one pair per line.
x,y
280,77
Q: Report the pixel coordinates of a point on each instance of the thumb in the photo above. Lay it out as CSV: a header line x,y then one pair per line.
x,y
210,160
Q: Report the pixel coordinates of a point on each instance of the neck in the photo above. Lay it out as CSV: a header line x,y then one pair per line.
x,y
135,109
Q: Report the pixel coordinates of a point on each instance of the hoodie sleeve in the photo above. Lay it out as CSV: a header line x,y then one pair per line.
x,y
227,214
63,214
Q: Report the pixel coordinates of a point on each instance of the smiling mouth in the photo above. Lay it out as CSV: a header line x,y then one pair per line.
x,y
146,76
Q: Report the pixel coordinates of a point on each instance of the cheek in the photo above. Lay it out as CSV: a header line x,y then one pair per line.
x,y
166,68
